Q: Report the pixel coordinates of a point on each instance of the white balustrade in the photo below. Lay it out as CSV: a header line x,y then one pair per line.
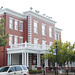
x,y
30,46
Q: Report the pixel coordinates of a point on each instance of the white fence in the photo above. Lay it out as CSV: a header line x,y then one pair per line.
x,y
29,45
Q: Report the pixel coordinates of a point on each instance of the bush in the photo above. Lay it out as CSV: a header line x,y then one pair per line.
x,y
35,71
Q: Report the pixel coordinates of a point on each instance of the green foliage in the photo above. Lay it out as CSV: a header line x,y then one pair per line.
x,y
3,37
35,71
65,52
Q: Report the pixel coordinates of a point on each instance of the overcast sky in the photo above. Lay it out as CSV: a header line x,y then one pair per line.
x,y
62,11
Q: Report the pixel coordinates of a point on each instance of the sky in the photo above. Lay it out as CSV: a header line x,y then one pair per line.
x,y
61,11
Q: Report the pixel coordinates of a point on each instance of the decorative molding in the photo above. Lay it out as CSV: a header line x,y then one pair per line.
x,y
39,16
29,28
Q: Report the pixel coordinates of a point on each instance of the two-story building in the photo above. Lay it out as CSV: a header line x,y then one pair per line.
x,y
30,36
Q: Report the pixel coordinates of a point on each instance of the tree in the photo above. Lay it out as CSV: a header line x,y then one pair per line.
x,y
3,37
64,52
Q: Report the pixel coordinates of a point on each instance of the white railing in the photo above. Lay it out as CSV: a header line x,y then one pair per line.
x,y
30,46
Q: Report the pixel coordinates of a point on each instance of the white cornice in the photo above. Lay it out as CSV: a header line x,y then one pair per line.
x,y
12,12
58,29
39,16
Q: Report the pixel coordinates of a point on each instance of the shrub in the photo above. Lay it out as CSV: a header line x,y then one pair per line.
x,y
35,71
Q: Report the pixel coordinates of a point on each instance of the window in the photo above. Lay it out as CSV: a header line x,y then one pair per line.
x,y
21,26
20,39
15,39
10,39
56,36
35,41
18,68
43,29
50,31
43,42
51,43
16,24
35,27
12,69
4,69
24,67
11,23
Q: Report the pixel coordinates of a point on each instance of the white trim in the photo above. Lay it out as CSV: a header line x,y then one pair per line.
x,y
14,13
39,16
22,26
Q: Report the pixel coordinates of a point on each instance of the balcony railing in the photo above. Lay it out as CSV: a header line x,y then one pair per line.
x,y
30,46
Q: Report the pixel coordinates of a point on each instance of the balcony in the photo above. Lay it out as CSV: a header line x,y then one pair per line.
x,y
29,47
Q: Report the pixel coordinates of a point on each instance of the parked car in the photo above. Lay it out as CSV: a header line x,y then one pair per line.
x,y
14,70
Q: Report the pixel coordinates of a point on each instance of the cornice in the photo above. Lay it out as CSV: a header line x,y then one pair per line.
x,y
58,29
38,16
6,10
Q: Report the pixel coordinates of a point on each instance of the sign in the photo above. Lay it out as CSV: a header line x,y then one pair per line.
x,y
54,51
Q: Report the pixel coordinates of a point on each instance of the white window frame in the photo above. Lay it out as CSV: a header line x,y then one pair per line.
x,y
10,39
10,23
50,43
44,42
16,24
43,29
36,41
21,39
20,26
50,31
56,36
15,39
35,26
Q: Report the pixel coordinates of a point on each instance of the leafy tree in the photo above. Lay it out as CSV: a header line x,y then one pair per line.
x,y
64,53
3,36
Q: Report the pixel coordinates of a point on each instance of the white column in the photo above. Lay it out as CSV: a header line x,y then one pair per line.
x,y
22,58
27,60
46,63
8,60
38,60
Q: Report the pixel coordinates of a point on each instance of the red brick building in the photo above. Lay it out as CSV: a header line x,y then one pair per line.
x,y
30,36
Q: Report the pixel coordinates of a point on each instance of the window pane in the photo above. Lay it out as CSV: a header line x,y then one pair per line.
x,y
18,68
35,27
24,67
12,69
4,69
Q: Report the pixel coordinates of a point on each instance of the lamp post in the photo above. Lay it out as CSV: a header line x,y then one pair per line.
x,y
56,44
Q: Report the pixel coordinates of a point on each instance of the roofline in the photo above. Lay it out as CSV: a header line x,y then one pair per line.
x,y
9,11
38,15
58,29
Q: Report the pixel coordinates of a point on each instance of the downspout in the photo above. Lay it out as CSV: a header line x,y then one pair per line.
x,y
4,34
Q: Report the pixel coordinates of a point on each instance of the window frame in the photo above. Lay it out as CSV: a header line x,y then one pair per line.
x,y
10,23
50,31
15,39
16,25
20,38
10,39
35,26
43,29
20,26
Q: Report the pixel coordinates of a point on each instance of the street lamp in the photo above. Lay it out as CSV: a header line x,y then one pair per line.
x,y
56,44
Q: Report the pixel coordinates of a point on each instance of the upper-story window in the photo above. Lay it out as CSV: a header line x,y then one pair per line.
x,y
11,23
35,27
51,43
43,29
50,31
43,42
35,41
21,26
56,36
20,39
16,24
10,39
15,39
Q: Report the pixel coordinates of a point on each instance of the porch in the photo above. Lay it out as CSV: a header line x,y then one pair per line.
x,y
27,54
